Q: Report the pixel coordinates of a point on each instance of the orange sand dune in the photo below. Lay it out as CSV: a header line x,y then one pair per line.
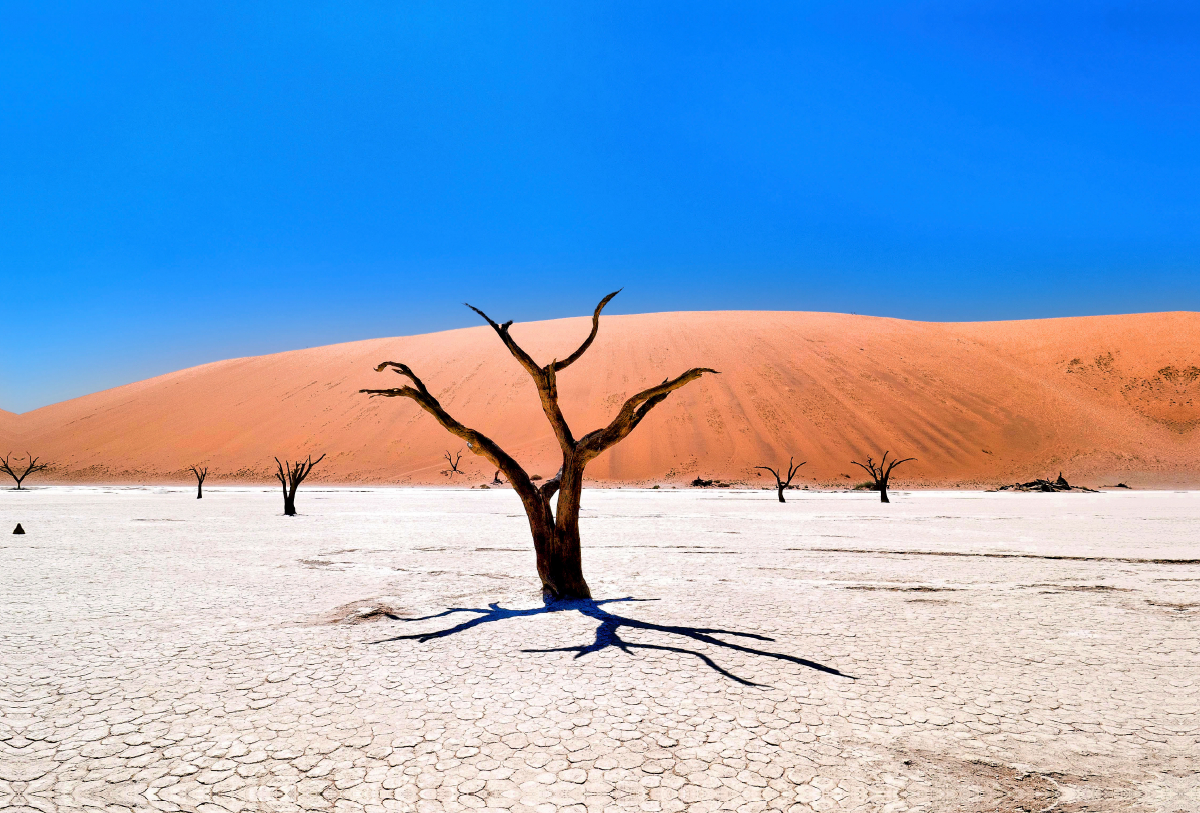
x,y
1100,398
8,430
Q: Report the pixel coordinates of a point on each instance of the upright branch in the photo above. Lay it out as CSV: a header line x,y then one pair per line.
x,y
200,473
555,530
453,461
32,467
290,476
781,483
881,473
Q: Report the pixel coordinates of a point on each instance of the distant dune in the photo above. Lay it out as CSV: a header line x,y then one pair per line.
x,y
8,430
1102,399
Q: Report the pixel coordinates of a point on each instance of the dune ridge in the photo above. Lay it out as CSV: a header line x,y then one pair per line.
x,y
1102,399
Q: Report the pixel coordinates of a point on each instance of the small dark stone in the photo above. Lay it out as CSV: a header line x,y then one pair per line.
x,y
18,529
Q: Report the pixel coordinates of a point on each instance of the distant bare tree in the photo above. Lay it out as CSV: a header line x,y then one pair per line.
x,y
496,479
555,531
881,473
32,467
453,461
200,473
780,483
290,476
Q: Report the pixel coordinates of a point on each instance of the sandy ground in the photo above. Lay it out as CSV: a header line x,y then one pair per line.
x,y
1103,399
386,650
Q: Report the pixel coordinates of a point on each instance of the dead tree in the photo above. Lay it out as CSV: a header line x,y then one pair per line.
x,y
780,483
290,476
32,467
453,461
555,530
882,473
200,473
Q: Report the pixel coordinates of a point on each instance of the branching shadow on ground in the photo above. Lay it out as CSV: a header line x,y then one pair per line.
x,y
607,634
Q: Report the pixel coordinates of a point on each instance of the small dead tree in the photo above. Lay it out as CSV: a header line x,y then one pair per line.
x,y
32,467
881,473
200,473
453,461
780,483
290,476
555,530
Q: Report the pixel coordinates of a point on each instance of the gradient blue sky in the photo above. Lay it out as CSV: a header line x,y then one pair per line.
x,y
189,182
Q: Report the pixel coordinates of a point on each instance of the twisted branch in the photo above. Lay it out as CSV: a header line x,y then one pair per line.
x,y
477,442
879,473
781,483
32,467
574,357
295,472
632,413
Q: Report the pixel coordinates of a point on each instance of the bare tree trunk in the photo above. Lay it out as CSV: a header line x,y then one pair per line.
x,y
566,561
32,466
555,534
780,483
201,474
555,531
881,473
290,476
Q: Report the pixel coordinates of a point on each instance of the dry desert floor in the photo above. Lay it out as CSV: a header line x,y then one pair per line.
x,y
387,650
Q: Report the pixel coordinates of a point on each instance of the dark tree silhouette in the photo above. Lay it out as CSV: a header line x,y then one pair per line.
x,y
290,476
496,479
780,483
881,473
555,531
200,473
453,461
32,467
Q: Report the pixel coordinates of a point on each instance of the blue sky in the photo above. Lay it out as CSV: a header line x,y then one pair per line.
x,y
184,183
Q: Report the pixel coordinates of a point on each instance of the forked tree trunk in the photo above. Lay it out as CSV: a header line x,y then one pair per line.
x,y
555,530
559,556
201,474
565,572
32,466
881,473
290,476
780,484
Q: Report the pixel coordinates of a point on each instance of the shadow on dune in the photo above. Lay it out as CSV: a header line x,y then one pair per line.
x,y
608,634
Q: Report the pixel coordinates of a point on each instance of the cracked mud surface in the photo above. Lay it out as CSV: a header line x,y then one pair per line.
x,y
386,650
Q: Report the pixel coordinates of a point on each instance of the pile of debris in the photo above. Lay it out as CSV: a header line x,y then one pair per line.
x,y
1060,484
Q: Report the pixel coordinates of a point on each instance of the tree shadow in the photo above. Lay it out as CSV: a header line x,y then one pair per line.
x,y
607,634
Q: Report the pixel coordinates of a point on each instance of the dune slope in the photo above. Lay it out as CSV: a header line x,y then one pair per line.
x,y
8,430
1100,398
